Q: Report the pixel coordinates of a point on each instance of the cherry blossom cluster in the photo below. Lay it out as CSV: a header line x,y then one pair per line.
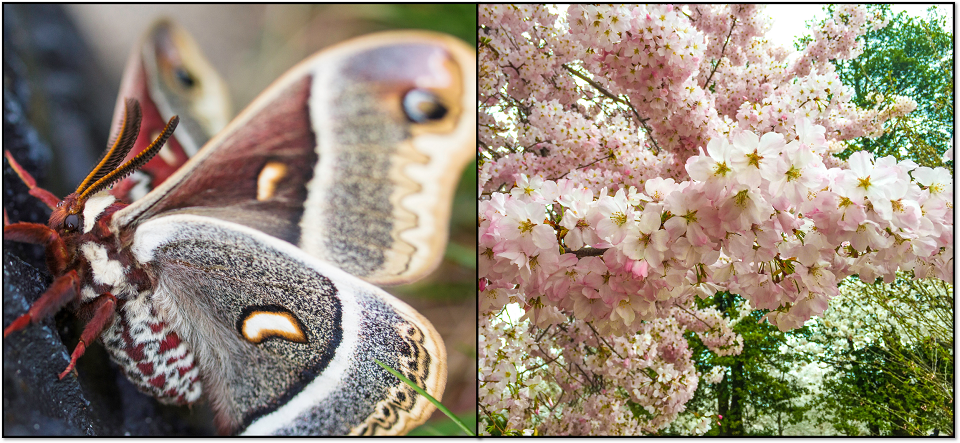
x,y
715,375
692,424
714,330
635,158
760,217
837,38
593,378
676,77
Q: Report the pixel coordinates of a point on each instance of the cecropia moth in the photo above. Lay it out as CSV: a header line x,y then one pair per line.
x,y
246,276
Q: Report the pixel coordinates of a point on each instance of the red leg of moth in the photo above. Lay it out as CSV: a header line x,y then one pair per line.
x,y
64,289
38,234
6,220
33,233
44,195
104,307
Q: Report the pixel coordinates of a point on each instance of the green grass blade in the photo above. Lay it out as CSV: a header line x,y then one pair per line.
x,y
441,407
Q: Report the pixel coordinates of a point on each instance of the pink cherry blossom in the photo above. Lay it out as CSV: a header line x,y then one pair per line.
x,y
524,226
645,239
613,217
797,172
635,159
938,182
715,169
864,180
755,158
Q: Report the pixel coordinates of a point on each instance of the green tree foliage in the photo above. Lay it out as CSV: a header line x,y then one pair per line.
x,y
457,19
755,383
887,392
900,381
910,57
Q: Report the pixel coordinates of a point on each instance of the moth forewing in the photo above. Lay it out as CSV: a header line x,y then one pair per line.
x,y
185,83
421,169
389,180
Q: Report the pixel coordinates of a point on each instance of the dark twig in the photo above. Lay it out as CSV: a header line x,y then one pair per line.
x,y
642,121
698,318
596,161
722,50
649,130
586,252
597,334
542,333
594,84
584,166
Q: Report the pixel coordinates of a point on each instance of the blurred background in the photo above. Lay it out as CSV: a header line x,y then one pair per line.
x,y
69,60
251,45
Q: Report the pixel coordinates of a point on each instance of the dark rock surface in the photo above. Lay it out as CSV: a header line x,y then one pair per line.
x,y
34,401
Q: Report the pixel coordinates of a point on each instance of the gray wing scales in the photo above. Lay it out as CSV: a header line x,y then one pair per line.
x,y
399,346
284,342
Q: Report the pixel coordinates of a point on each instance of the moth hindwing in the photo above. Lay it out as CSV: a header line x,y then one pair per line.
x,y
246,276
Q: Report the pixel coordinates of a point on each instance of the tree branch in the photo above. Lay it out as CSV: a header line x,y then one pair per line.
x,y
584,166
722,50
597,334
642,121
594,84
649,130
586,252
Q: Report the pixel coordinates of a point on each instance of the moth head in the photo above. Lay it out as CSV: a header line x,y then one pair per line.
x,y
67,217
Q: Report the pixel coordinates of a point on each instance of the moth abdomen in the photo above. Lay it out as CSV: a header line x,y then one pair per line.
x,y
151,353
